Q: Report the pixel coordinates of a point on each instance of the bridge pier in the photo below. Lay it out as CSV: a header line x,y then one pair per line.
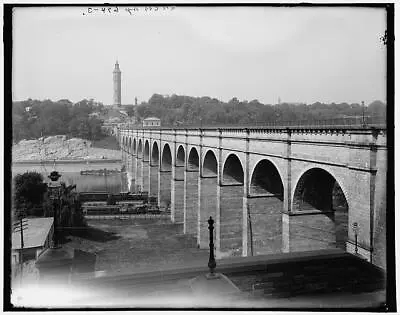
x,y
177,194
132,172
230,220
264,224
139,173
128,168
145,176
190,202
124,157
164,188
153,180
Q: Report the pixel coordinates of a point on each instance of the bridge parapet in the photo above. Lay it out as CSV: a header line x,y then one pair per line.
x,y
349,135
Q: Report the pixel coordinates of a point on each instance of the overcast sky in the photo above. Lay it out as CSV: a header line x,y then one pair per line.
x,y
296,54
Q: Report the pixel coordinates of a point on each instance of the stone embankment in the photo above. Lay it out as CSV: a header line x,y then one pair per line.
x,y
60,148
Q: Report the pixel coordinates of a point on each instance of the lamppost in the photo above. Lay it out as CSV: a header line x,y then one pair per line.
x,y
355,229
211,261
54,188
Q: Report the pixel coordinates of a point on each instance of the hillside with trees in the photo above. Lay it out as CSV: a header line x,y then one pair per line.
x,y
32,119
187,110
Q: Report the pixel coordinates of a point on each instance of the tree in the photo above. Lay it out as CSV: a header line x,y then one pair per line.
x,y
377,108
71,209
29,190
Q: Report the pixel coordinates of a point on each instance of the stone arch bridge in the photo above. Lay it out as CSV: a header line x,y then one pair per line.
x,y
270,190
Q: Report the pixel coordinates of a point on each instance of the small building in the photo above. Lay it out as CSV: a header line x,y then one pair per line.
x,y
37,236
151,122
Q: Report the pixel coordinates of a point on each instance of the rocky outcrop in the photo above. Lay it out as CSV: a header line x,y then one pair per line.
x,y
60,148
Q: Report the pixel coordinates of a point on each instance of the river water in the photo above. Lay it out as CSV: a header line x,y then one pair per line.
x,y
70,174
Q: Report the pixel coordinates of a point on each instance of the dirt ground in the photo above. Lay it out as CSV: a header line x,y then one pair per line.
x,y
132,245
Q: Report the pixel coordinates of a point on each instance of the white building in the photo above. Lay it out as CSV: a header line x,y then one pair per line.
x,y
151,122
37,237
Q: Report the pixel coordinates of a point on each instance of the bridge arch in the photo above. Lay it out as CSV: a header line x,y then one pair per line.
x,y
318,190
140,148
210,164
166,158
155,154
134,145
129,145
233,171
180,156
165,192
314,188
193,159
266,179
146,154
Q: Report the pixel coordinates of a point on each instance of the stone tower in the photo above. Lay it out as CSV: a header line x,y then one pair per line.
x,y
117,84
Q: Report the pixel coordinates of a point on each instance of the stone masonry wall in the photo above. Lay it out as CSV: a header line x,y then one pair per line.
x,y
153,191
379,239
145,172
177,204
165,188
133,172
191,202
139,181
266,225
231,214
208,207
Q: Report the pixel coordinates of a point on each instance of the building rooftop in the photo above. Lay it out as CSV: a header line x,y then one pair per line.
x,y
35,233
151,118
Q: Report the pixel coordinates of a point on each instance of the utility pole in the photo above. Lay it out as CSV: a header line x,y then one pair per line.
x,y
20,226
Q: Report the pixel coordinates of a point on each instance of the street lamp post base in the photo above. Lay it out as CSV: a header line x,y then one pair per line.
x,y
212,275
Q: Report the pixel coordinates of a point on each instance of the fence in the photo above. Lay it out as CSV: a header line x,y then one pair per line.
x,y
122,216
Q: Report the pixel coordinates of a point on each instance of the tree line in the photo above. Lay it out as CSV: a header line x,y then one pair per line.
x,y
180,109
32,119
31,199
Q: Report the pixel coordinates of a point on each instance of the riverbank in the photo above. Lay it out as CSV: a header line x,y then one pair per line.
x,y
60,148
71,161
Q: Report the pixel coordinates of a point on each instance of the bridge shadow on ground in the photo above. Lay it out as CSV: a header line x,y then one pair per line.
x,y
94,234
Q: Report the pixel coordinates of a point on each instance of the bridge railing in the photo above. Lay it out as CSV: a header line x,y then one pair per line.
x,y
342,122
